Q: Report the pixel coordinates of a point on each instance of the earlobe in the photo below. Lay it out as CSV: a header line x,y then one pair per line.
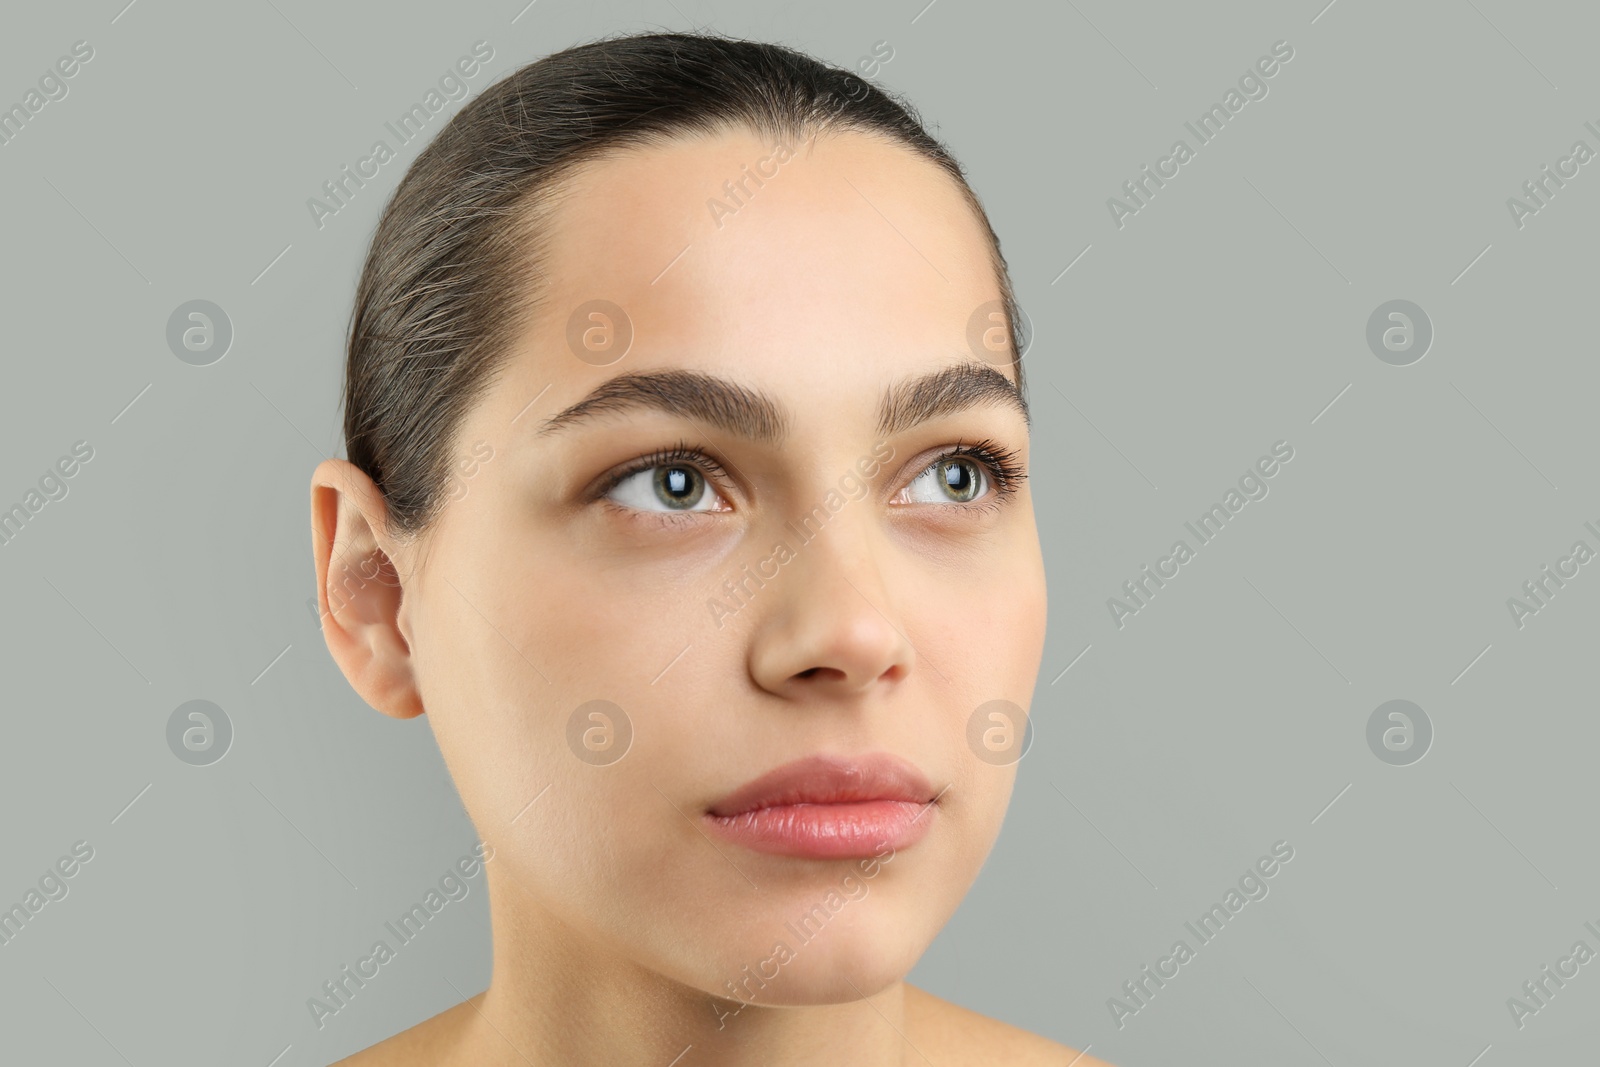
x,y
360,589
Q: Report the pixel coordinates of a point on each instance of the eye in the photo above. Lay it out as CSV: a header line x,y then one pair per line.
x,y
667,487
949,480
983,474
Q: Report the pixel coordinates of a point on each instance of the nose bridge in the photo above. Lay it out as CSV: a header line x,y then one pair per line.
x,y
831,621
837,559
837,542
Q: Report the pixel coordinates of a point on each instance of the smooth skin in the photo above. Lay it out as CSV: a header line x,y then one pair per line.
x,y
556,576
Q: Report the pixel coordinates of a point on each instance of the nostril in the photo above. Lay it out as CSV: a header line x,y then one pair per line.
x,y
820,674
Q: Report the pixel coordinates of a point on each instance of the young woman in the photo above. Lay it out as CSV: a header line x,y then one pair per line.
x,y
686,495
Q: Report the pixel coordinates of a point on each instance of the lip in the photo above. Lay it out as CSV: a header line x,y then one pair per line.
x,y
828,807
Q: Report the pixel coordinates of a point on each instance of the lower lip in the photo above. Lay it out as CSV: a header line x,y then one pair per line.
x,y
827,831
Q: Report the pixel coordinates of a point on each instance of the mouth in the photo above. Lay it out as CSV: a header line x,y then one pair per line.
x,y
828,807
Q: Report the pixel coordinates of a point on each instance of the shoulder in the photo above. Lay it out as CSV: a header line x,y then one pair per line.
x,y
423,1045
968,1037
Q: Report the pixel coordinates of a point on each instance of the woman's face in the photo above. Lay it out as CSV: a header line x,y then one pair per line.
x,y
748,538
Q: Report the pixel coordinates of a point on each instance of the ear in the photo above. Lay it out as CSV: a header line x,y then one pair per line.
x,y
359,588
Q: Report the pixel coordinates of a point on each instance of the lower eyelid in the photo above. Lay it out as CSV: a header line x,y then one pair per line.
x,y
656,518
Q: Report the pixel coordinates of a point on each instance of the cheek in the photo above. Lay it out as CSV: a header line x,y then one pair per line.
x,y
549,679
530,678
1026,610
987,637
551,779
983,622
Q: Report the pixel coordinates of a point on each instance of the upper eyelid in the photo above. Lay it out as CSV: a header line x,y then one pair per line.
x,y
665,457
994,458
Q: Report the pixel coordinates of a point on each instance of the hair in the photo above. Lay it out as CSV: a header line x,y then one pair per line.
x,y
434,316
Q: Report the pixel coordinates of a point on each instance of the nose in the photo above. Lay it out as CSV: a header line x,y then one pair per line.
x,y
832,627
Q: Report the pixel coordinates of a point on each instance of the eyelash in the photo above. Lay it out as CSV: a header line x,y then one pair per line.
x,y
1005,471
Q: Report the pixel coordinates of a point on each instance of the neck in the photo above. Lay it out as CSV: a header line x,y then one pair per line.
x,y
560,996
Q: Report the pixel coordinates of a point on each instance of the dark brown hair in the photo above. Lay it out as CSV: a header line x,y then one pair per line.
x,y
433,320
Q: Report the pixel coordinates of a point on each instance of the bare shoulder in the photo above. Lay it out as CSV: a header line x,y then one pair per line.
x,y
973,1038
423,1045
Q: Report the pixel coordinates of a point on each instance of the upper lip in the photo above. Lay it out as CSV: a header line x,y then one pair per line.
x,y
829,780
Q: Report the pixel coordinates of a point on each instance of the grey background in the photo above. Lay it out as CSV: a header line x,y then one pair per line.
x,y
1228,314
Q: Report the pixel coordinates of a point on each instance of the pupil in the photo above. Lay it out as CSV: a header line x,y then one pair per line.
x,y
958,480
678,486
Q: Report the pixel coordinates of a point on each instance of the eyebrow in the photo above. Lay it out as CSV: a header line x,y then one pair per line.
x,y
945,392
752,414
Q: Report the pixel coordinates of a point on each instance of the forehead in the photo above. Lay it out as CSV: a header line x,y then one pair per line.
x,y
848,253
